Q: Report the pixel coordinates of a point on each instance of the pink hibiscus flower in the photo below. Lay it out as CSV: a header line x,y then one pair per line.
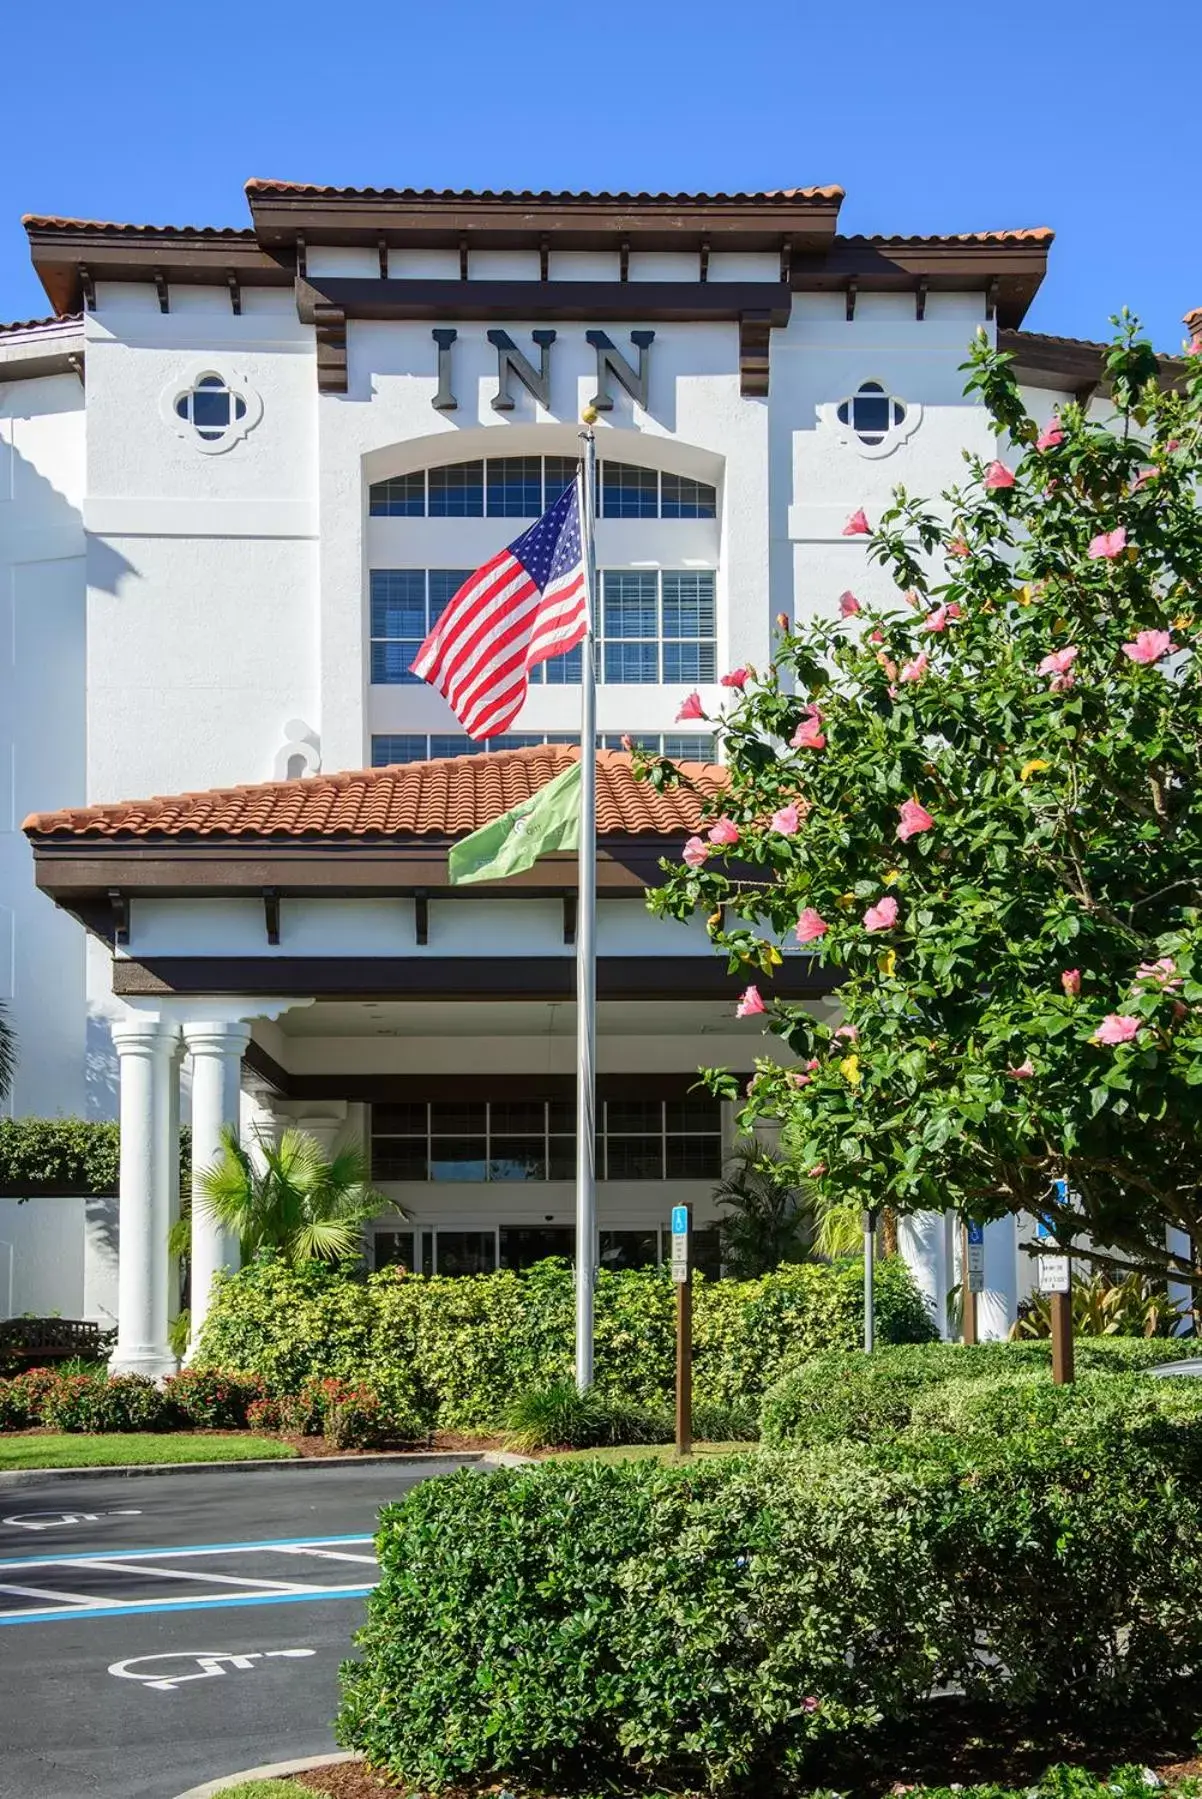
x,y
750,1005
786,820
849,606
857,525
1107,545
1060,661
850,1033
694,852
997,476
1070,980
1149,646
808,736
916,668
811,926
690,708
941,617
1050,436
1116,1027
914,818
882,916
958,547
736,678
1023,1072
1163,971
723,830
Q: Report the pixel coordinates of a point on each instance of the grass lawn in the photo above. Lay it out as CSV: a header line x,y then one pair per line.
x,y
268,1789
124,1449
661,1452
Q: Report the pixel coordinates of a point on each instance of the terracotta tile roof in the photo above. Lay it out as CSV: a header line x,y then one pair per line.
x,y
601,199
1037,234
34,221
417,799
68,318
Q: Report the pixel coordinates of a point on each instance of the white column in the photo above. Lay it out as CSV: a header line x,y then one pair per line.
x,y
922,1240
173,1194
1181,1294
145,1051
997,1306
216,1048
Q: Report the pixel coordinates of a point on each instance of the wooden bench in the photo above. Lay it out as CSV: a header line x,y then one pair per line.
x,y
40,1340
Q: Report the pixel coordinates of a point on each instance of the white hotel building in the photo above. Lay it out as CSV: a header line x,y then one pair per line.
x,y
240,470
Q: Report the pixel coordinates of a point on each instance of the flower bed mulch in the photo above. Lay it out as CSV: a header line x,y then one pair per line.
x,y
962,1745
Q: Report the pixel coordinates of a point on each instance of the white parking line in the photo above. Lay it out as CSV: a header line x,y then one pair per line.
x,y
215,1580
331,1555
50,1593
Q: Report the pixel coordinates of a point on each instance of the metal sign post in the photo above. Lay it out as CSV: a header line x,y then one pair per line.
x,y
682,1275
974,1276
1055,1277
870,1280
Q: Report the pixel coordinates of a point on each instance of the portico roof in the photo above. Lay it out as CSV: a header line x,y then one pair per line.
x,y
438,800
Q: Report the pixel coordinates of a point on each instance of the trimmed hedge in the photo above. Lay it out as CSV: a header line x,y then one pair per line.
x,y
64,1156
835,1397
713,1625
466,1346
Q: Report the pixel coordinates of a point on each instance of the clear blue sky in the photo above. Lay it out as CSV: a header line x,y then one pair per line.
x,y
936,116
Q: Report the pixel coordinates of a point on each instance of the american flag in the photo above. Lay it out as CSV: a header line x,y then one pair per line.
x,y
526,604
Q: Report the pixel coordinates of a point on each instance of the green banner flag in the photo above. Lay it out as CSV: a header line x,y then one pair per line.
x,y
548,820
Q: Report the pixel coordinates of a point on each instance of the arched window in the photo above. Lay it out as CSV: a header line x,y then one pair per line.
x,y
524,487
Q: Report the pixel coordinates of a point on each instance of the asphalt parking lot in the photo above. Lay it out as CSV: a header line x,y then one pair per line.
x,y
160,1631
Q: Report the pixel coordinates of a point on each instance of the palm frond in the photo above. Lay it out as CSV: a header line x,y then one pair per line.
x,y
291,1197
8,1054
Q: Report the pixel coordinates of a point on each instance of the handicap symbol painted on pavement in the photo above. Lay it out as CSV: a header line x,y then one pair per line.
x,y
55,1520
165,1673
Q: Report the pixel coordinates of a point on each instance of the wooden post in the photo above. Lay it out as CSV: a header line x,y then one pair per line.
x,y
1062,1338
968,1299
684,1365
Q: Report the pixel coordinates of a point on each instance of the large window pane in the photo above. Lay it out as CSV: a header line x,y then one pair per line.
x,y
558,472
515,486
707,1253
634,1159
688,603
524,1244
466,1252
693,1158
517,1159
629,1249
457,490
628,605
398,602
442,745
391,662
444,585
399,1159
509,1117
391,747
393,1249
634,1115
629,492
458,1159
685,498
406,1118
561,671
689,662
686,746
404,496
696,1112
635,664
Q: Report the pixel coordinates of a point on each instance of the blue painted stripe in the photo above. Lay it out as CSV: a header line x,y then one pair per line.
x,y
187,1605
129,1555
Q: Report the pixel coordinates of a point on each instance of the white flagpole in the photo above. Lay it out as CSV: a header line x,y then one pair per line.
x,y
586,947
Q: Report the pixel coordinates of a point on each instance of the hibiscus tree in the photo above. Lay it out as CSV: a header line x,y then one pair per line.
x,y
998,850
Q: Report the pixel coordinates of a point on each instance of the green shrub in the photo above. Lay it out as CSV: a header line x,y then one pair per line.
x,y
210,1399
350,1414
839,1396
56,1156
118,1402
711,1625
559,1416
714,1422
1013,1403
464,1347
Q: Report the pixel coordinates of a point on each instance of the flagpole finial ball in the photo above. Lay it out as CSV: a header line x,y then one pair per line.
x,y
589,415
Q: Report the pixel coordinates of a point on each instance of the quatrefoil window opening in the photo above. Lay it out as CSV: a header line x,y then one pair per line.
x,y
210,408
871,413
